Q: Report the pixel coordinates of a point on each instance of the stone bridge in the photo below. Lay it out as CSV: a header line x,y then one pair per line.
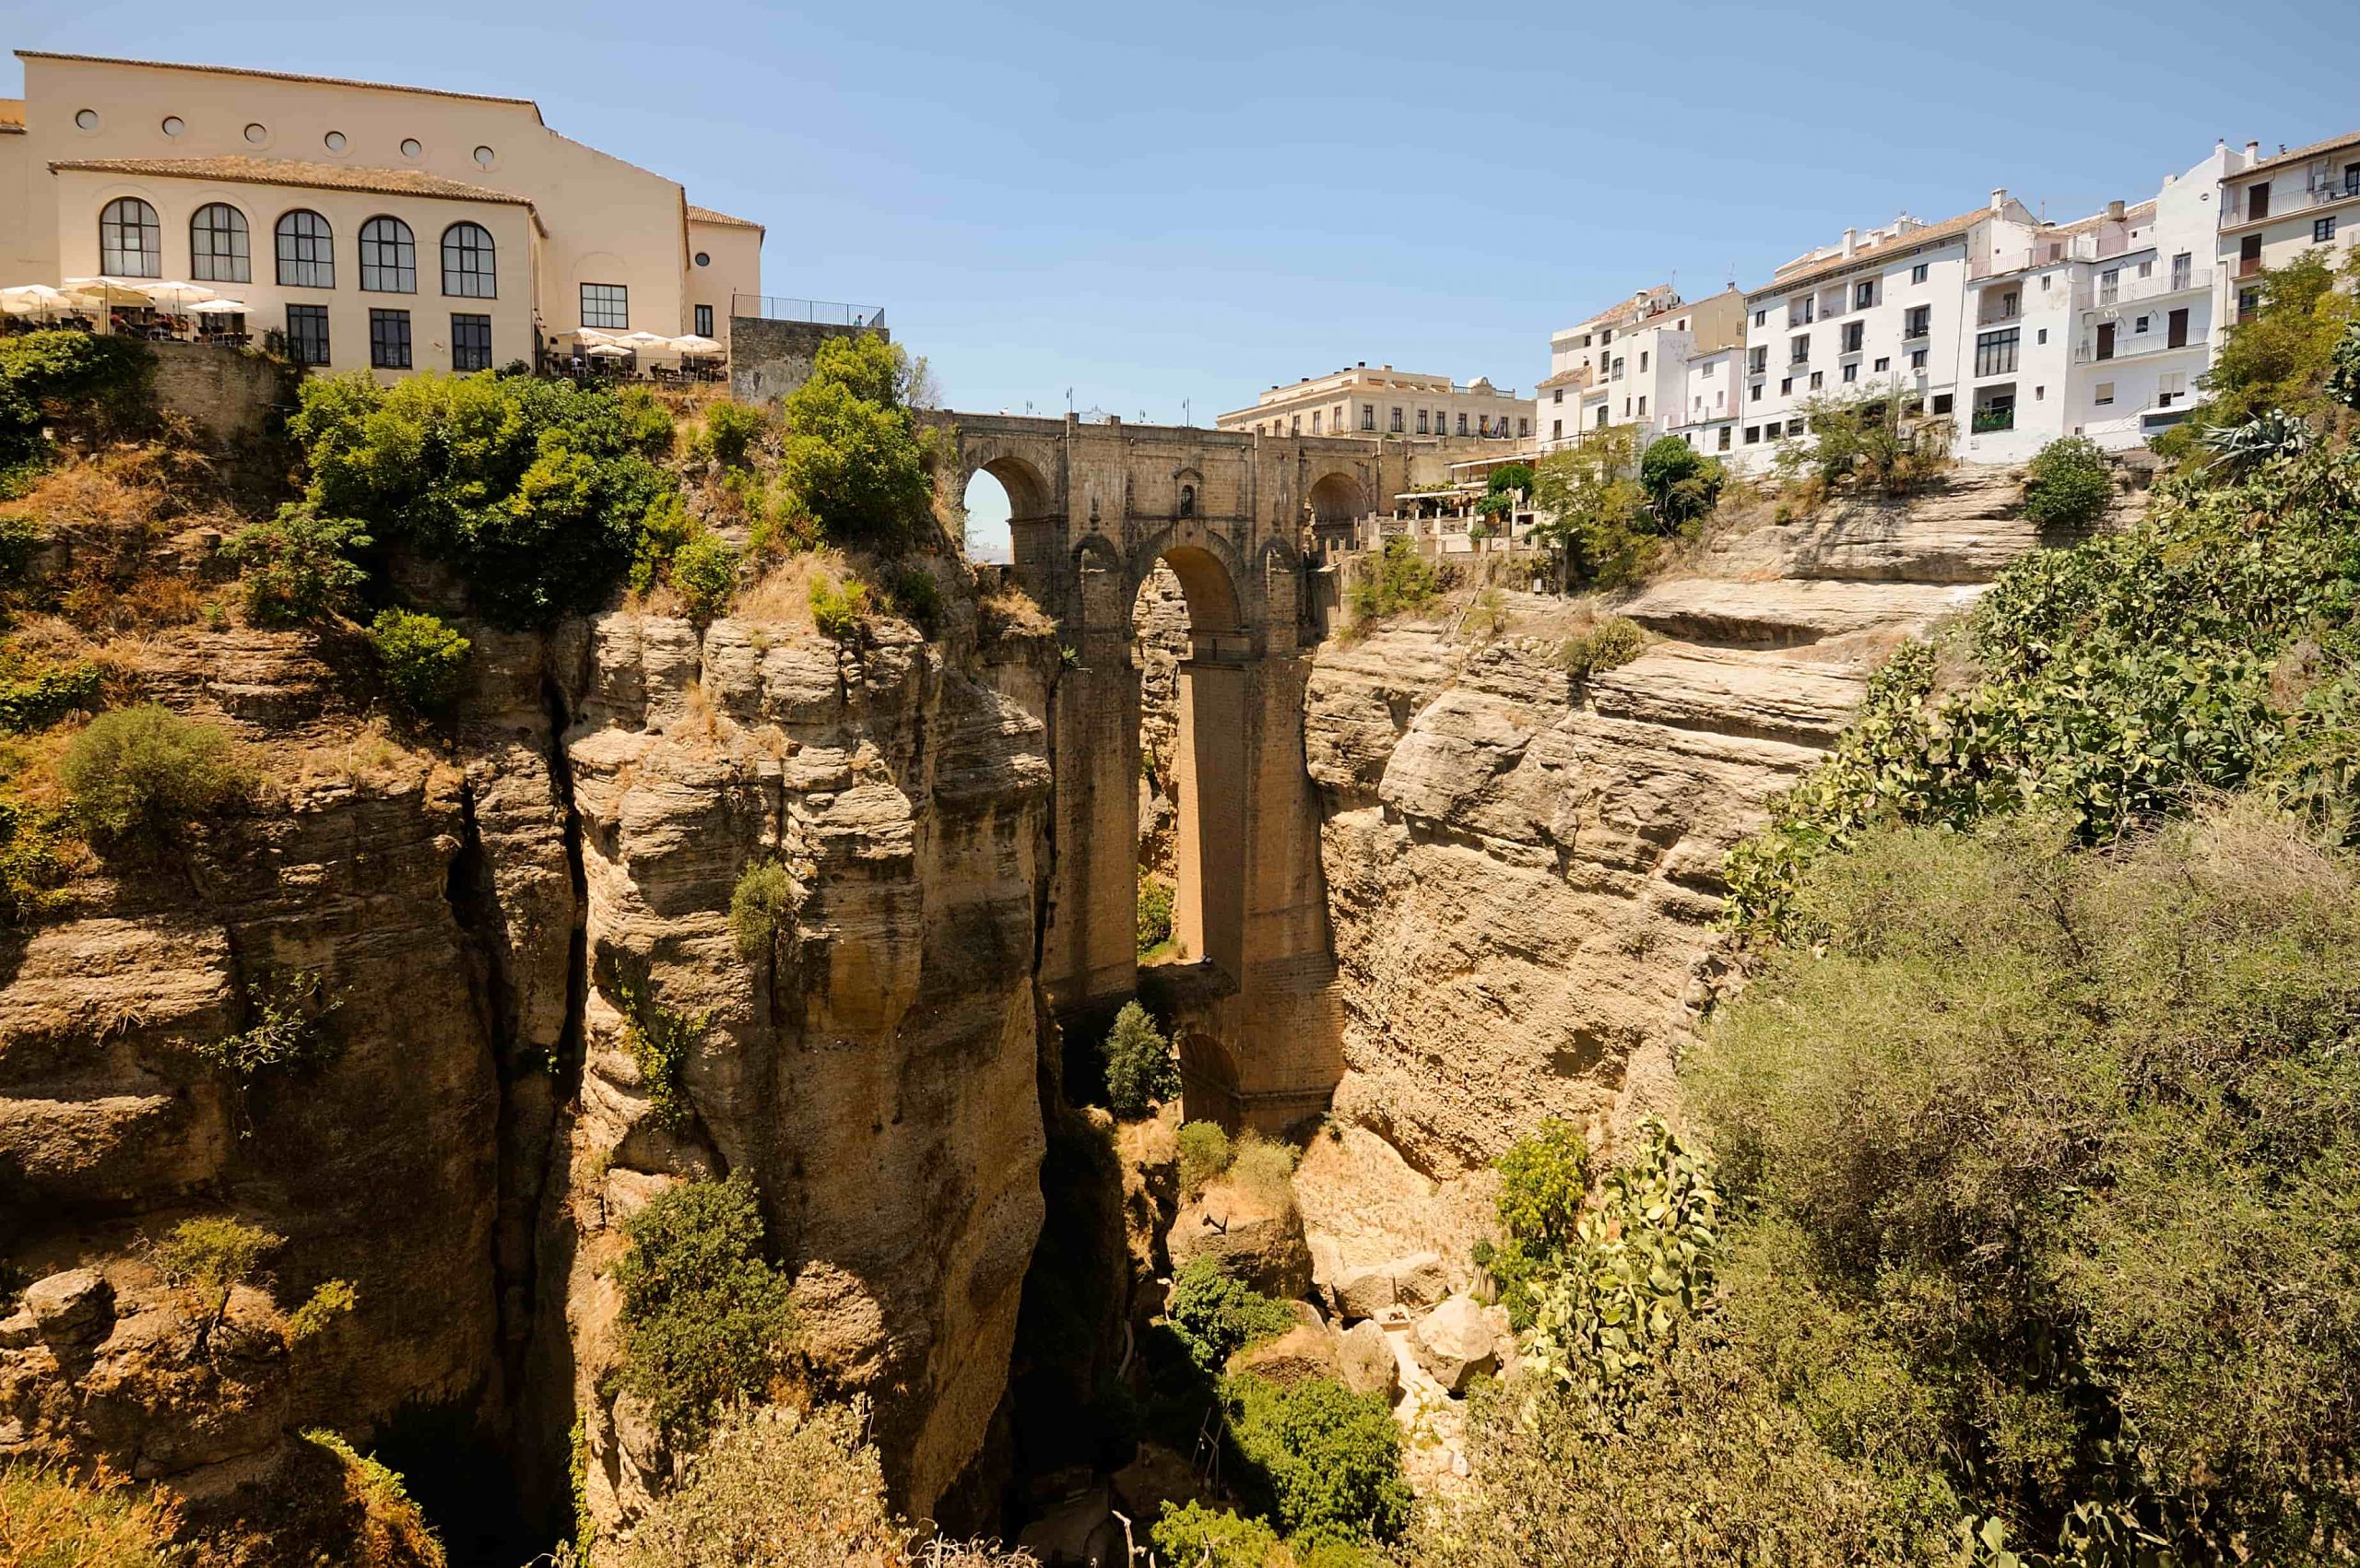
x,y
1093,507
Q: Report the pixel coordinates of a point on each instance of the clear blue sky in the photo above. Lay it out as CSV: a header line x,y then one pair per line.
x,y
1150,203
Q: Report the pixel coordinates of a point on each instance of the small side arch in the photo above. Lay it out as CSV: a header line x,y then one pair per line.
x,y
1338,497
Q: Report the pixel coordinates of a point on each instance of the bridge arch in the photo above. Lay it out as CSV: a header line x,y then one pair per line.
x,y
1338,497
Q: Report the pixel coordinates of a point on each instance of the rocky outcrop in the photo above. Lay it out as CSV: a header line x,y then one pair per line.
x,y
463,911
1524,868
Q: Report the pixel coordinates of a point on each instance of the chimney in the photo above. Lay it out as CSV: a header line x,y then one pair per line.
x,y
2253,153
1851,241
1363,365
1999,198
2114,210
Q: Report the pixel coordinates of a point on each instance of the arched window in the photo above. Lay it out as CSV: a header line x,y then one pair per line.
x,y
306,251
467,263
388,257
131,242
218,247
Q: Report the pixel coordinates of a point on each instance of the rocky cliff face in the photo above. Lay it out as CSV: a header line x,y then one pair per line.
x,y
466,903
1524,867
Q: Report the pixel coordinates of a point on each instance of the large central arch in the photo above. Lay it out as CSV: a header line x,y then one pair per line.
x,y
1094,509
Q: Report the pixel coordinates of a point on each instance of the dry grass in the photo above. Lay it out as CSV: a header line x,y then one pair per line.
x,y
1006,609
780,596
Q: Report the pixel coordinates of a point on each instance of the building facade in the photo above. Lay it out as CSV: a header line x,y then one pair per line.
x,y
388,228
2275,209
1361,401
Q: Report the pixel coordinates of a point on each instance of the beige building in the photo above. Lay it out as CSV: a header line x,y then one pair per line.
x,y
2275,209
1357,401
391,228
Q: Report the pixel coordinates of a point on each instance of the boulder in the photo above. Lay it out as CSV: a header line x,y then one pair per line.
x,y
1297,1356
75,1307
1454,1343
1419,1281
1364,1292
1326,1262
1252,1238
1366,1356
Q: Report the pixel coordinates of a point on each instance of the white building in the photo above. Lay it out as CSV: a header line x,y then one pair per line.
x,y
1358,400
1579,360
1885,310
1705,415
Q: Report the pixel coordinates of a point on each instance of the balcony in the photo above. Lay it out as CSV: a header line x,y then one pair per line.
x,y
2131,291
819,312
2134,347
2288,203
1989,421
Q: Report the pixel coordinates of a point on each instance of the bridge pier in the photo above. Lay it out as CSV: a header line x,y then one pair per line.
x,y
1094,509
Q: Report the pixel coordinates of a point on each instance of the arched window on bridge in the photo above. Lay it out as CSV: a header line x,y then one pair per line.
x,y
988,537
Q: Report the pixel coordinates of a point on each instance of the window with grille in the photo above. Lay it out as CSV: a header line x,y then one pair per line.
x,y
470,342
468,269
388,257
131,242
306,251
307,334
219,250
389,339
605,305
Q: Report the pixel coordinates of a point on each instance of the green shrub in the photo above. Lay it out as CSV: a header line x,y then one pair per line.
x,y
21,539
52,1518
206,1257
1400,581
659,1041
1264,1168
1509,478
2047,1157
1591,509
1604,646
285,1032
706,1318
665,528
36,702
147,768
2114,680
1205,1153
1328,1460
1140,1067
2067,484
1544,1181
388,1528
100,383
1194,1535
330,1300
298,567
1154,914
917,598
854,460
424,656
533,492
730,431
704,573
1213,1317
647,423
33,846
761,905
839,610
1682,485
1877,438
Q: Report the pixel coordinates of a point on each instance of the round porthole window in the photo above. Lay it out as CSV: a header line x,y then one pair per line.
x,y
484,157
257,134
411,147
703,260
86,119
174,125
334,141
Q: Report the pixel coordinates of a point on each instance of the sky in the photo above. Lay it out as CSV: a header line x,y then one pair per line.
x,y
1168,208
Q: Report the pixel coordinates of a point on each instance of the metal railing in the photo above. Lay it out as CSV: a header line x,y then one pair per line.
x,y
2132,346
821,312
2131,290
2289,203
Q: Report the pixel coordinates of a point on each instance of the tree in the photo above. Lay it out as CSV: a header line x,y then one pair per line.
x,y
1593,512
1141,1069
854,460
2067,484
297,565
2282,357
706,1314
424,656
1682,484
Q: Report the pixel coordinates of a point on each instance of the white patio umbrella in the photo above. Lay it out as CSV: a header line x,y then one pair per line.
x,y
607,352
172,291
588,335
644,340
220,307
692,344
31,298
108,292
